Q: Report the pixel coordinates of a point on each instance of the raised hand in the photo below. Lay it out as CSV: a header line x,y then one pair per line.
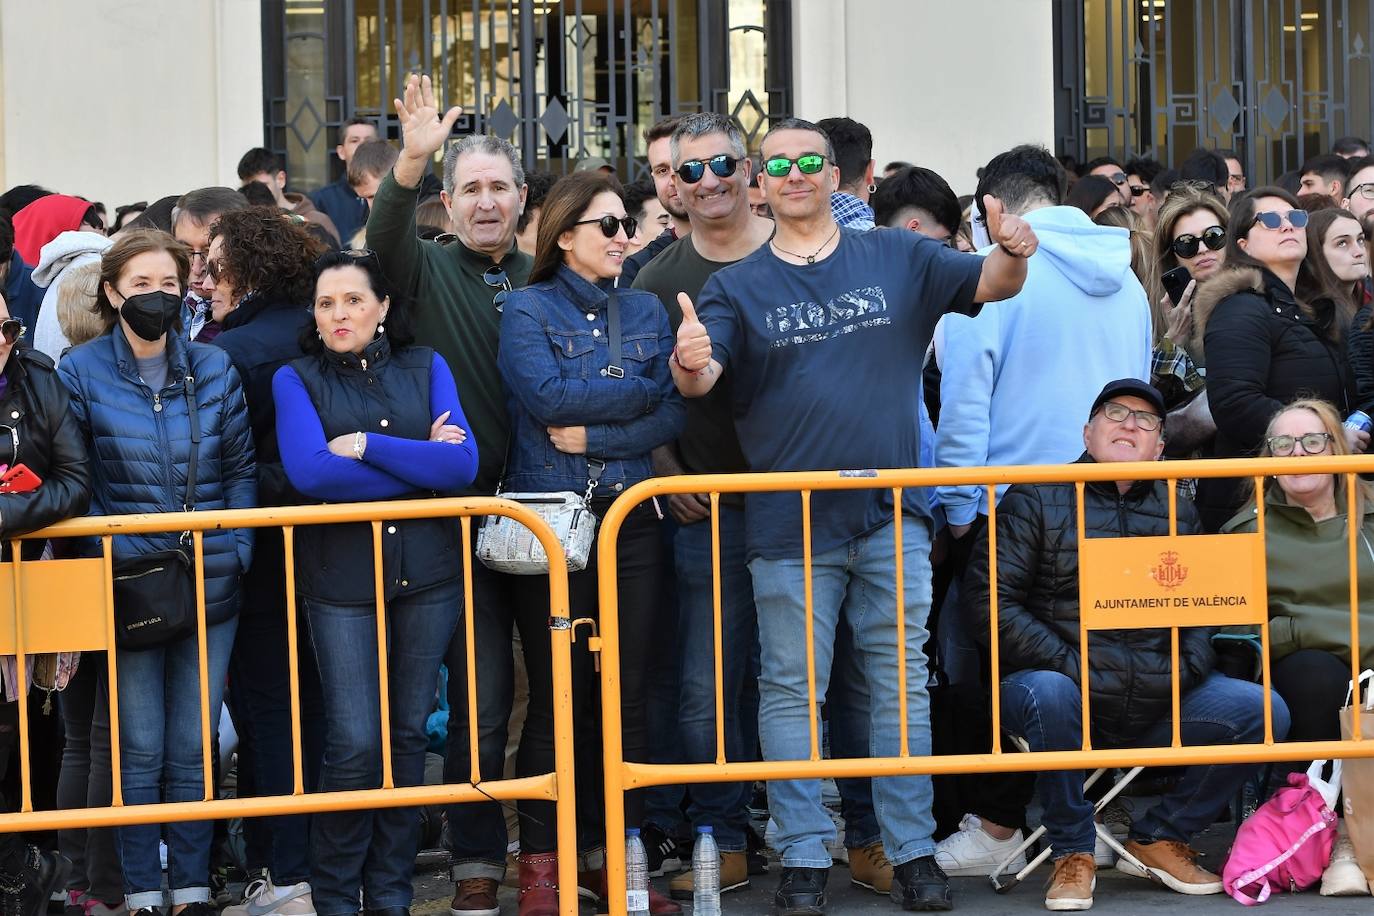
x,y
1011,232
693,350
423,132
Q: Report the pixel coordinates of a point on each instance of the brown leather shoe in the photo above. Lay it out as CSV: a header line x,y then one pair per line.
x,y
475,897
1072,883
1173,863
870,869
539,884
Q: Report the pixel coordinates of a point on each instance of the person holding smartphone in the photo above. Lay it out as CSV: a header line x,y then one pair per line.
x,y
40,437
1265,345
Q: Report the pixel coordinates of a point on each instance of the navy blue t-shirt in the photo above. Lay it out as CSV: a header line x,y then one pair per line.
x,y
826,361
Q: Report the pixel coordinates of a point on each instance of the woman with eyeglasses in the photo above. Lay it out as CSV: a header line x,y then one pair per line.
x,y
1262,344
366,415
132,392
261,265
591,396
1306,541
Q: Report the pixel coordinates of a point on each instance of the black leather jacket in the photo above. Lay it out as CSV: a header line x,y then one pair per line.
x,y
1037,594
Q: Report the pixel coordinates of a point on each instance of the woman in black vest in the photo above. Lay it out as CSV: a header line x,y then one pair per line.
x,y
367,416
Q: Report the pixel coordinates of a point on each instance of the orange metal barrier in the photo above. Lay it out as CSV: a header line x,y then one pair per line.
x,y
67,605
1240,556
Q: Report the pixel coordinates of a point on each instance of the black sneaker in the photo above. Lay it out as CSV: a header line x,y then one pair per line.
x,y
801,892
146,911
663,851
921,886
27,893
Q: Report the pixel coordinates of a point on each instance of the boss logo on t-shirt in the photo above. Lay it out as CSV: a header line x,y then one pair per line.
x,y
865,307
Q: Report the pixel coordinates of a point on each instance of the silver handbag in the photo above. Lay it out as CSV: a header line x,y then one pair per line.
x,y
505,545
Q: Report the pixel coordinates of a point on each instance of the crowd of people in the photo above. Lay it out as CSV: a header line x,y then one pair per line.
x,y
397,335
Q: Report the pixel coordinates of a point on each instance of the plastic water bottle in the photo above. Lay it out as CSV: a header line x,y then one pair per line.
x,y
636,874
705,874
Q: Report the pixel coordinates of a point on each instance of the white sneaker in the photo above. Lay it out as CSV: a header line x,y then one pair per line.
x,y
1343,877
270,900
973,851
1103,855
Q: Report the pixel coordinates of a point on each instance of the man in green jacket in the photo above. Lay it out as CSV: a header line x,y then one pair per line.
x,y
456,290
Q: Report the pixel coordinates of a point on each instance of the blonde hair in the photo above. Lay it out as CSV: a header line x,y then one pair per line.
x,y
1332,426
1143,262
76,294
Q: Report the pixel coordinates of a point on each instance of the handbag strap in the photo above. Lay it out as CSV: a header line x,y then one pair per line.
x,y
189,503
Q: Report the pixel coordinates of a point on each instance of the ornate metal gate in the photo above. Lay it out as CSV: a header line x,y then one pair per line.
x,y
562,79
1276,80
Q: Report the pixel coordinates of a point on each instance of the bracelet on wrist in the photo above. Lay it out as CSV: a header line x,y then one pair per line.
x,y
359,444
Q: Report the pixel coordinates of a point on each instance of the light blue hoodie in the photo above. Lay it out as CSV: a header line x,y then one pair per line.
x,y
1019,380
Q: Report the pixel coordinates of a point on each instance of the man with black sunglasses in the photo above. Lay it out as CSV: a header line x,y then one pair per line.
x,y
811,325
1113,171
457,290
723,231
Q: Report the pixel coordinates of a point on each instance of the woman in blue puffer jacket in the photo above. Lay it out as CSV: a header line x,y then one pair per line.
x,y
129,395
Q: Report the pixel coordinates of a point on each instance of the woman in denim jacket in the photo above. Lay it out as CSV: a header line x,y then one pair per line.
x,y
575,417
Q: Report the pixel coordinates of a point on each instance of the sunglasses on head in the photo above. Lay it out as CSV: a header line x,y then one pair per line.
x,y
1186,246
1272,219
610,225
12,329
495,277
807,164
693,170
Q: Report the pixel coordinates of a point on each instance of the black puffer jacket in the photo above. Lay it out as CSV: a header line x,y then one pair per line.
x,y
36,407
1037,595
1261,351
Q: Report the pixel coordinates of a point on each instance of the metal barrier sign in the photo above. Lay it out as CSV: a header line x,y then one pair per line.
x,y
1181,581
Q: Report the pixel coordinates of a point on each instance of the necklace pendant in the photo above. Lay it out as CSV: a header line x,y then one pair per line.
x,y
811,259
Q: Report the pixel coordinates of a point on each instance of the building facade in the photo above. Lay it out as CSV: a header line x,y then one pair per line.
x,y
157,96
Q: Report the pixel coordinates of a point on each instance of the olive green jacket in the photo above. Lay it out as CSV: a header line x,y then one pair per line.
x,y
1309,578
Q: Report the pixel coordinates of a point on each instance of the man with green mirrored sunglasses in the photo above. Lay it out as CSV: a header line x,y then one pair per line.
x,y
824,330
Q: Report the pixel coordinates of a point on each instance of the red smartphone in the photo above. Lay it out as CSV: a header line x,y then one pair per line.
x,y
19,479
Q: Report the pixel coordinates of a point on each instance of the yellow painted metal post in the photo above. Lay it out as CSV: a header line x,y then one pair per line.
x,y
21,690
112,673
288,534
206,739
901,623
995,663
1260,566
1083,676
470,637
716,628
383,673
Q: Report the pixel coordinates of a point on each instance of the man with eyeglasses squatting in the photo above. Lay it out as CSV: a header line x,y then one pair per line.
x,y
1129,672
822,331
457,290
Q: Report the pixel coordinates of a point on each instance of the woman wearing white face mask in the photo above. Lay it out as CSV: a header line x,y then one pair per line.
x,y
1264,343
132,393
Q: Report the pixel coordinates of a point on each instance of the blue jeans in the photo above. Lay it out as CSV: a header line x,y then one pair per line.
x,y
858,581
720,805
1045,707
160,753
374,849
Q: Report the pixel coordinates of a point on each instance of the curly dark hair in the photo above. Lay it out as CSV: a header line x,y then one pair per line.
x,y
268,252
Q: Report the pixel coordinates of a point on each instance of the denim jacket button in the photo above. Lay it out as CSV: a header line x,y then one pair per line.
x,y
618,487
596,332
603,373
390,529
591,316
